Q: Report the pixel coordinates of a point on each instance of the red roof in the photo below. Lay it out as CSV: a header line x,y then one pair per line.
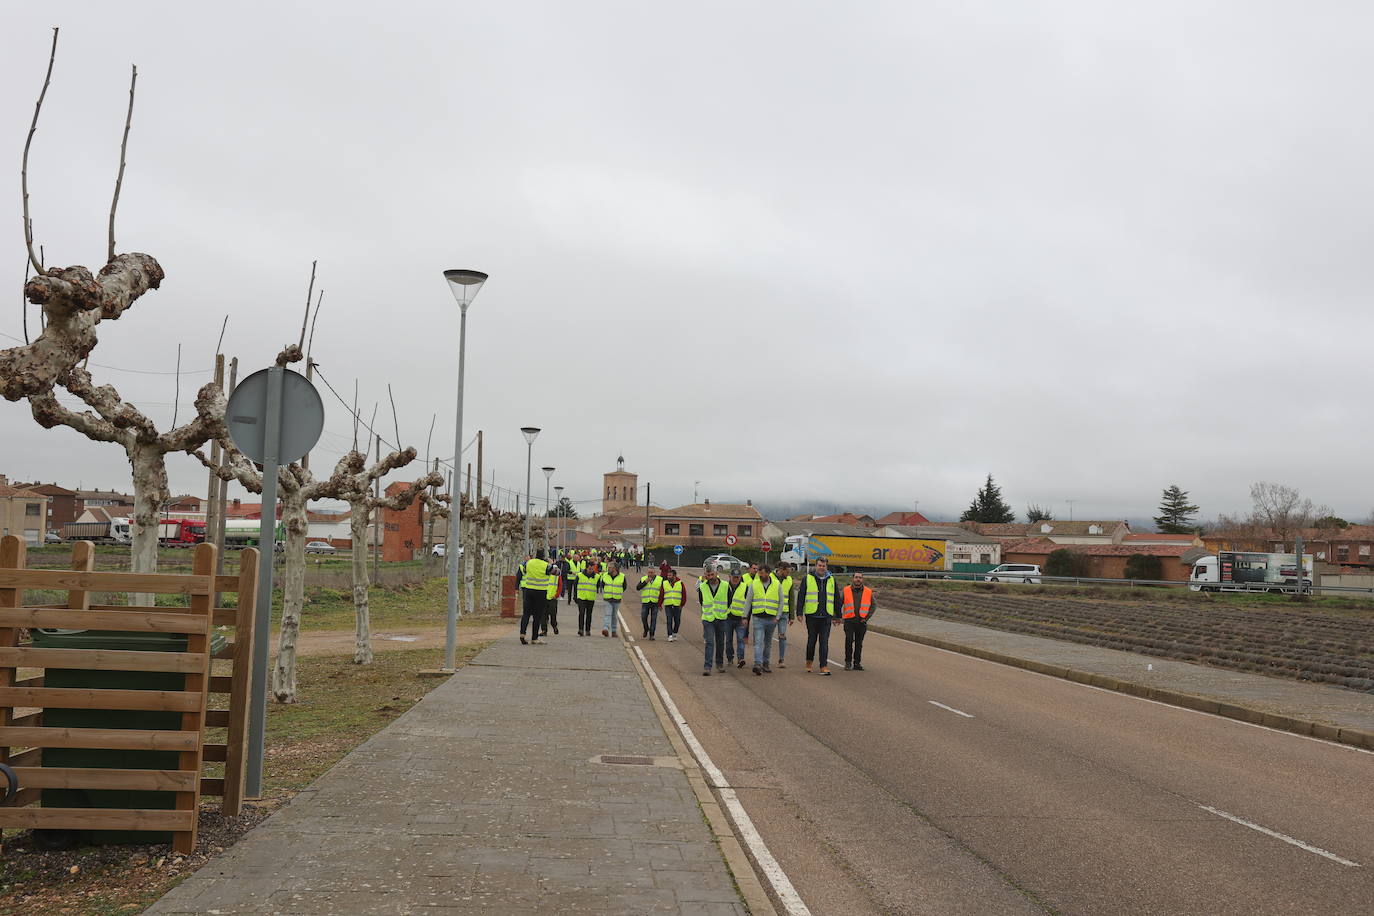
x,y
904,518
1180,538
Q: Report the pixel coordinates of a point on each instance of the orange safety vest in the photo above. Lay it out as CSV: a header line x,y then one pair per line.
x,y
865,602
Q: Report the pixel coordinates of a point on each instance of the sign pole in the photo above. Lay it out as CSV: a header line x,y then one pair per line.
x,y
262,619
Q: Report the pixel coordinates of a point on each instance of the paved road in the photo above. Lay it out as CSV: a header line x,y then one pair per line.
x,y
1046,797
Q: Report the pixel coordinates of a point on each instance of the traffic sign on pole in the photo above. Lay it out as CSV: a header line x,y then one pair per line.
x,y
678,550
731,540
275,417
766,546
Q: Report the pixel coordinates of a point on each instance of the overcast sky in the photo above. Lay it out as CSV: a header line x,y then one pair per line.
x,y
860,252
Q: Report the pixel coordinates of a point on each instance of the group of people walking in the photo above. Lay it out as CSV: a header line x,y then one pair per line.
x,y
762,602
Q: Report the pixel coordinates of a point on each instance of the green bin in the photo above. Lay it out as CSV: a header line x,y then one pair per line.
x,y
106,718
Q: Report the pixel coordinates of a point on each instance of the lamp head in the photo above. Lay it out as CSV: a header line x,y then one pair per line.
x,y
548,472
530,433
465,284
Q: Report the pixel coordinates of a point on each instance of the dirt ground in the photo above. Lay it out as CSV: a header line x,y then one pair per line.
x,y
339,642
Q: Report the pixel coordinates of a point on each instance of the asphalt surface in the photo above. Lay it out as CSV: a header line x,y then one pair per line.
x,y
1046,796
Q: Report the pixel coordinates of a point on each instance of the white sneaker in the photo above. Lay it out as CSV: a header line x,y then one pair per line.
x,y
671,638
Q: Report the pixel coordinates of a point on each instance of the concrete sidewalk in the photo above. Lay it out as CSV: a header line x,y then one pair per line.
x,y
490,796
1332,713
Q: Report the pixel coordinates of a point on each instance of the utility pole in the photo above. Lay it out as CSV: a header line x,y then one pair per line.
x,y
648,501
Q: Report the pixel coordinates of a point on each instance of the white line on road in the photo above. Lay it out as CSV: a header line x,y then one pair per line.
x,y
623,628
1131,696
957,712
782,885
1280,836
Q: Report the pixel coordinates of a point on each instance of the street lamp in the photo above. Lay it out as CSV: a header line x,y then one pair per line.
x,y
530,433
558,520
548,476
465,285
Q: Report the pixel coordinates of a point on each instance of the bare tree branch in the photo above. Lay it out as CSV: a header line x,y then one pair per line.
x,y
123,151
219,345
310,346
24,304
309,295
176,391
394,419
24,169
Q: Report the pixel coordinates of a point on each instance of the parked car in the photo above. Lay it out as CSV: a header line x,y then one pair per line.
x,y
723,563
320,547
1014,572
52,537
441,550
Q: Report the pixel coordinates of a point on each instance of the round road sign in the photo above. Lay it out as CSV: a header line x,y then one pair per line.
x,y
731,540
678,550
301,414
766,546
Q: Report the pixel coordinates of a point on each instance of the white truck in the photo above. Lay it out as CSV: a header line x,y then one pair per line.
x,y
1249,571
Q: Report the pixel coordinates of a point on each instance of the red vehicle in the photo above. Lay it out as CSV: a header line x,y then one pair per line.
x,y
181,532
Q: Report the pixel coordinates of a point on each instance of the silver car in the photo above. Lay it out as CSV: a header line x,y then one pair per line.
x,y
320,547
1014,572
724,563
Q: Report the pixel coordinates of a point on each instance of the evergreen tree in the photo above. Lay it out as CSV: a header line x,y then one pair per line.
x,y
564,508
1037,513
1175,512
988,506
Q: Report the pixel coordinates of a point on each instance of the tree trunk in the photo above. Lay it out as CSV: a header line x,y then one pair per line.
x,y
149,468
292,595
469,566
357,524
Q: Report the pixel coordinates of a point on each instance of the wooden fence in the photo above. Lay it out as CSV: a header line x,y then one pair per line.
x,y
24,735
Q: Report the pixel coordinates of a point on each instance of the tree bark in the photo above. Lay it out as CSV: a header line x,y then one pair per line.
x,y
293,593
357,524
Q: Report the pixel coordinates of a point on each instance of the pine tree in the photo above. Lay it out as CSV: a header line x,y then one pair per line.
x,y
564,508
988,506
1175,512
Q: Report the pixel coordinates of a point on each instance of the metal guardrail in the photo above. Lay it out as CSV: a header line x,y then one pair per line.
x,y
1257,588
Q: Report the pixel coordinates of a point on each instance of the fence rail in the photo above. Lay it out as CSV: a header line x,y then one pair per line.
x,y
1041,579
25,734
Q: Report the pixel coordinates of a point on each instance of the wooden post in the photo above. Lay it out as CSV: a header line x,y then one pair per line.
x,y
83,560
198,644
212,506
377,522
479,467
237,740
13,553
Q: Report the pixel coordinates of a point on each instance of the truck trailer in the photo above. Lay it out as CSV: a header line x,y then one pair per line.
x,y
1250,571
181,532
115,531
847,554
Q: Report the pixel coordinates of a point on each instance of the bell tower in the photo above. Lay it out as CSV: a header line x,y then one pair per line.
x,y
619,490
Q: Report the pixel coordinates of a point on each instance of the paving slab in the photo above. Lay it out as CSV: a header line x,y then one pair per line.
x,y
487,796
1335,713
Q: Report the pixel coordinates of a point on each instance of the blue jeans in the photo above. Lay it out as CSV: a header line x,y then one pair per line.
x,y
763,637
673,613
714,636
782,636
609,621
648,613
735,632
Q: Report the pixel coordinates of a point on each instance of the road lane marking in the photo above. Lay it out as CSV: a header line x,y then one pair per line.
x,y
623,628
782,885
1280,836
1129,696
957,712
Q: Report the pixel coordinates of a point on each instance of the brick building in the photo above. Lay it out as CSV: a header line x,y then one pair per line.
x,y
403,530
62,503
621,489
23,513
708,525
1108,561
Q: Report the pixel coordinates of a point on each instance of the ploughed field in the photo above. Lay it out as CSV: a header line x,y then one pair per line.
x,y
1310,646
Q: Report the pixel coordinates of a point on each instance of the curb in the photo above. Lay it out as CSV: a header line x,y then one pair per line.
x,y
1354,737
737,861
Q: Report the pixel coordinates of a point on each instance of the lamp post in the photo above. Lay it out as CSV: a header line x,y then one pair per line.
x,y
558,520
530,433
465,285
548,477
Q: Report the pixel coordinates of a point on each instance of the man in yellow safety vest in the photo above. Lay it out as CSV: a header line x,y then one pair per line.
x,y
533,577
650,588
612,592
674,595
857,609
765,597
817,598
714,596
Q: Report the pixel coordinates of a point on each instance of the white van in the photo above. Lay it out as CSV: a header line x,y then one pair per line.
x,y
1014,572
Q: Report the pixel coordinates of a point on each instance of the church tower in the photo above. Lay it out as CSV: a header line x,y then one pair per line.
x,y
620,489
